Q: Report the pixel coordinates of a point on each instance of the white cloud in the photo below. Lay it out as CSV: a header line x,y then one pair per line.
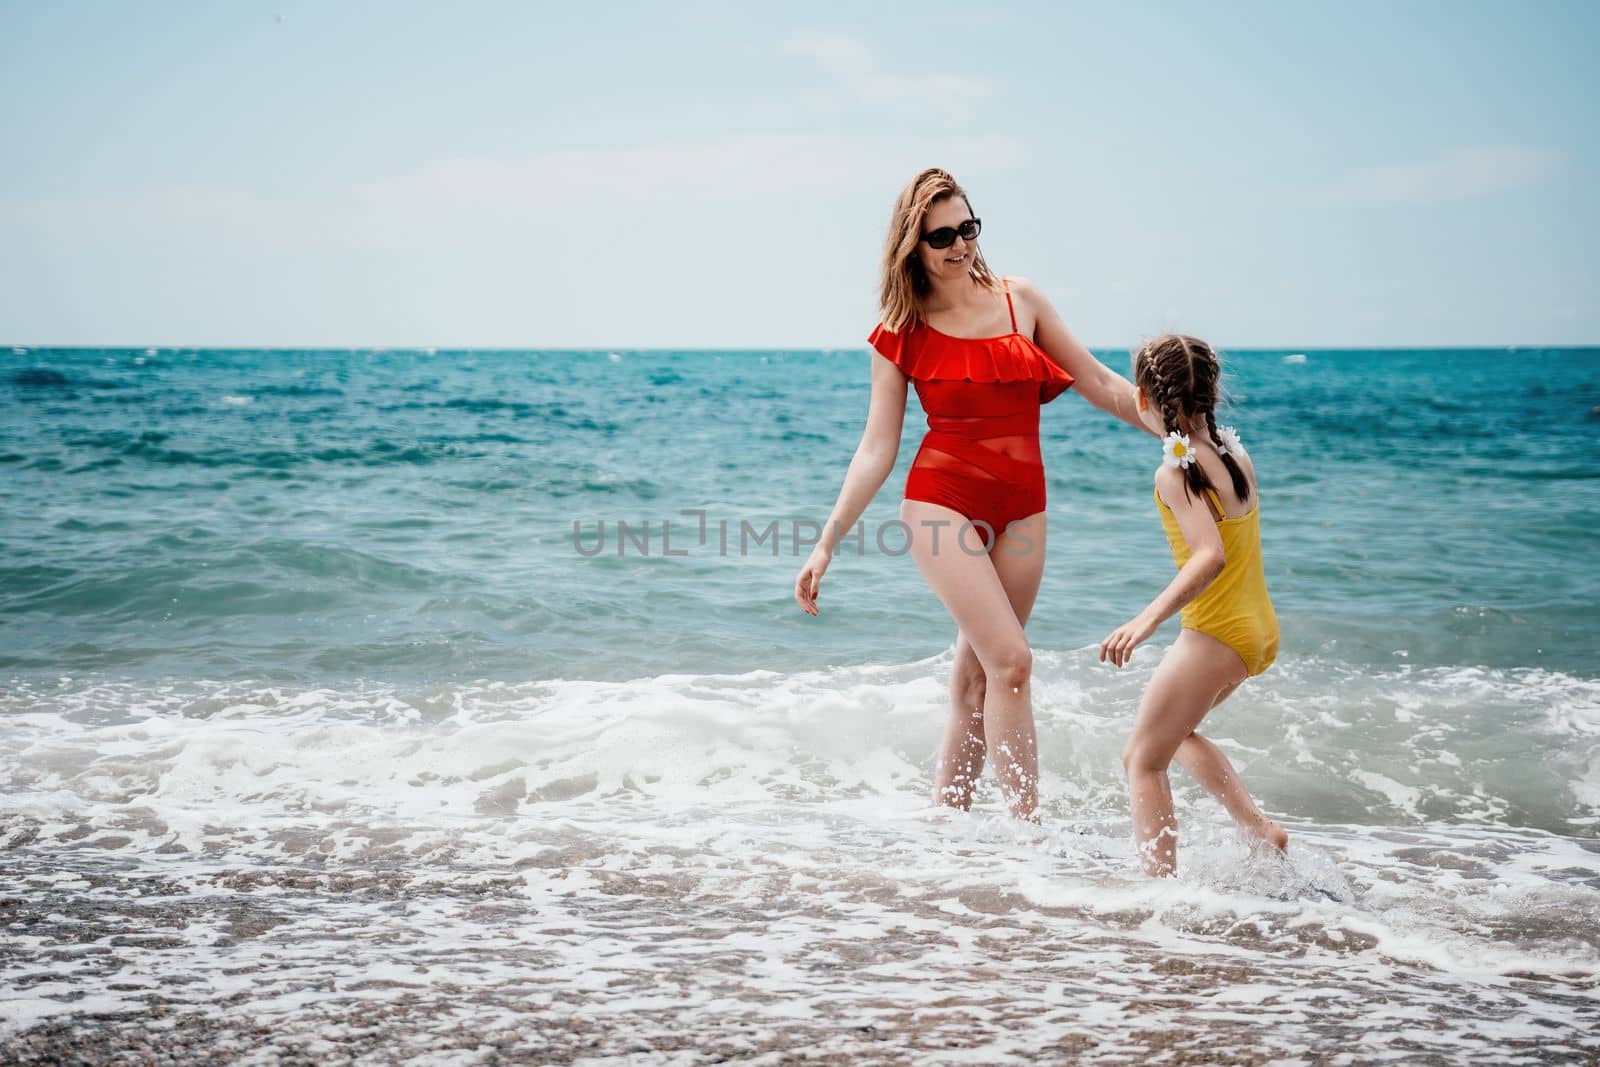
x,y
746,169
754,167
840,53
852,63
205,214
1459,175
448,202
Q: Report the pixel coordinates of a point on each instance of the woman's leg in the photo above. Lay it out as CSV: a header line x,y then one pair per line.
x,y
1207,765
960,764
1018,558
970,587
1194,671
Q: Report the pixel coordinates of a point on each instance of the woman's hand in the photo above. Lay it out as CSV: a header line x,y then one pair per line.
x,y
809,580
1120,643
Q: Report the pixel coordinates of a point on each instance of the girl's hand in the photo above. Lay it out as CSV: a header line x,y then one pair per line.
x,y
1120,643
807,582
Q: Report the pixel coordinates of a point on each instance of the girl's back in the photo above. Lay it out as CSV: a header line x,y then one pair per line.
x,y
1235,607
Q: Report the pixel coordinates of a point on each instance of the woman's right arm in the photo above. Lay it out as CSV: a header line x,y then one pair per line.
x,y
1096,382
869,468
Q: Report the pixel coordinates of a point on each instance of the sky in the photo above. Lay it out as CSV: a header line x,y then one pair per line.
x,y
720,175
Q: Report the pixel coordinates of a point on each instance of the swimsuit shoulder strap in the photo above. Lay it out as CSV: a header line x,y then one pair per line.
x,y
1006,282
1211,498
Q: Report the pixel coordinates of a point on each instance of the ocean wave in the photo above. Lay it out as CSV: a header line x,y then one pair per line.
x,y
679,824
1318,740
46,378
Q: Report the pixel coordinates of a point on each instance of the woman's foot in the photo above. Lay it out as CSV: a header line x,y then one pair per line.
x,y
1270,833
958,795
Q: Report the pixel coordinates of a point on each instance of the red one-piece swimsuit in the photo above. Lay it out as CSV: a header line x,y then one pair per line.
x,y
980,456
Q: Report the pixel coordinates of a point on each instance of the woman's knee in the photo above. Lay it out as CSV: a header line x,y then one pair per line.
x,y
1010,666
968,683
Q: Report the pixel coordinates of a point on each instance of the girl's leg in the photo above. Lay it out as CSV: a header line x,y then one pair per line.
x,y
1207,765
971,590
1186,684
1018,558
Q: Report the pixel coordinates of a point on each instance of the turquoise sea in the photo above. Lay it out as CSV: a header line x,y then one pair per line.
x,y
342,658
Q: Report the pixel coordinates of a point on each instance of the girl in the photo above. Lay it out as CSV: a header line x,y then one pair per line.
x,y
1229,629
983,352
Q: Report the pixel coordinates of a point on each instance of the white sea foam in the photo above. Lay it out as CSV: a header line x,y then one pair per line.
x,y
748,850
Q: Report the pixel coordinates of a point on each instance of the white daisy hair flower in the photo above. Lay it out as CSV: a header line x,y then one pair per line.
x,y
1228,440
1176,451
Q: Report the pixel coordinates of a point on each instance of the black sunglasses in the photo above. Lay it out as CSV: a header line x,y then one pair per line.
x,y
945,236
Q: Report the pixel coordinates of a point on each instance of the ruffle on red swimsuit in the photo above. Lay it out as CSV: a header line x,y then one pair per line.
x,y
980,456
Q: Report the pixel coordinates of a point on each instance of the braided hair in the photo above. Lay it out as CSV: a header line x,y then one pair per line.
x,y
1180,375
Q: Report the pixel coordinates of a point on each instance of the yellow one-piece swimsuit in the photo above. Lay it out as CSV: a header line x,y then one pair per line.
x,y
1234,608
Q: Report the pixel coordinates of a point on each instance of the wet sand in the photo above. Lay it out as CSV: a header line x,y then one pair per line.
x,y
565,961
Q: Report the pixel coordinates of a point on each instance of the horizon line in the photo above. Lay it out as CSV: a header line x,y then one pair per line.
x,y
22,349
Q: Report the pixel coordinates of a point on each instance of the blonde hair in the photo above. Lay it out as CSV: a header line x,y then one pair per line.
x,y
905,283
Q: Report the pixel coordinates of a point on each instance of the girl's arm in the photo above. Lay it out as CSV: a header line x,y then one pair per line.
x,y
869,467
1099,384
1206,560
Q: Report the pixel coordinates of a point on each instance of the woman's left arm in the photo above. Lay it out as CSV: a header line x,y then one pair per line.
x,y
1099,384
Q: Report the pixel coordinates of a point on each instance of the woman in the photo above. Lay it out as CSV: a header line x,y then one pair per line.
x,y
985,353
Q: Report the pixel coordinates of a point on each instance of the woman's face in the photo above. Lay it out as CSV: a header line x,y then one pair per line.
x,y
953,262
